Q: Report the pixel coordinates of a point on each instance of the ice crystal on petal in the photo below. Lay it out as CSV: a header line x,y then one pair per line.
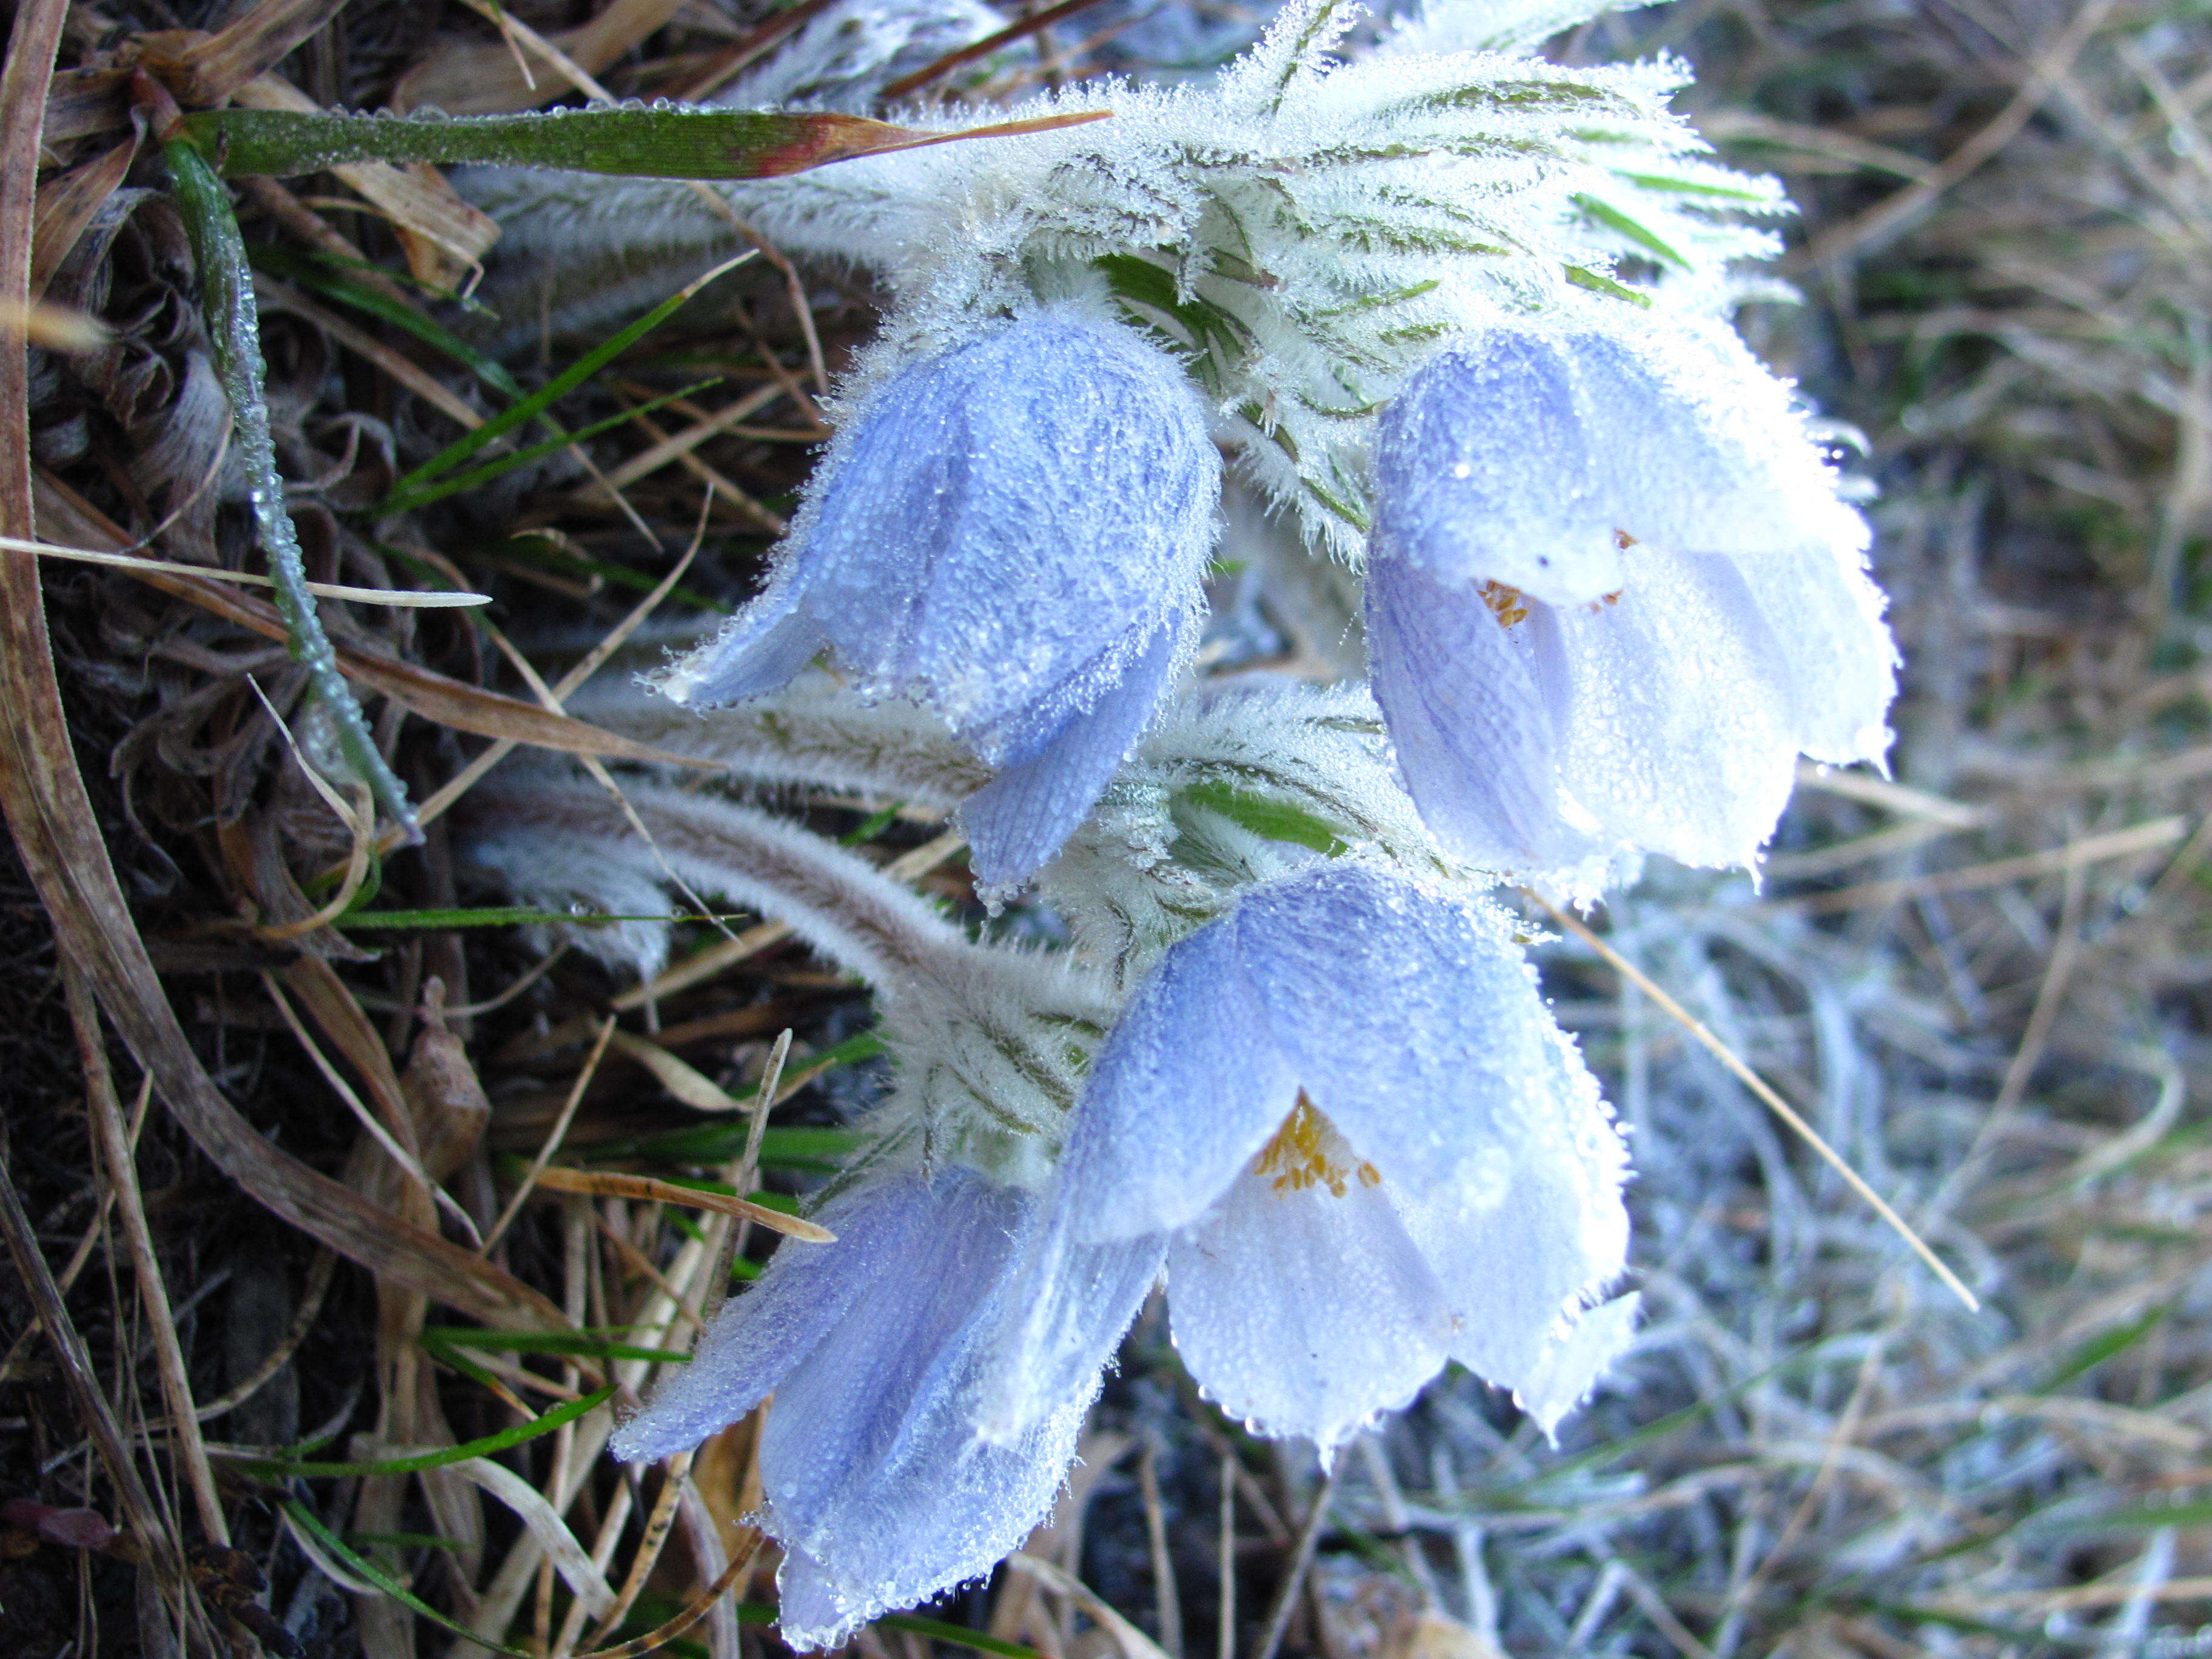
x,y
1013,533
1370,1148
875,1478
1613,595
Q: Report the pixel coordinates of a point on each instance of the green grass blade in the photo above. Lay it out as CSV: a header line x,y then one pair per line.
x,y
556,388
476,477
277,1469
369,1572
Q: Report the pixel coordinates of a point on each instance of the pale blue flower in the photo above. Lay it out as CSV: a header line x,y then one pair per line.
x,y
1613,596
874,1479
1013,533
1370,1149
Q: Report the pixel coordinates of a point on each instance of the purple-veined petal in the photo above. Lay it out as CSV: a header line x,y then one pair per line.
x,y
1187,1088
762,650
1018,823
1304,1310
801,1302
1469,719
1678,733
1409,1018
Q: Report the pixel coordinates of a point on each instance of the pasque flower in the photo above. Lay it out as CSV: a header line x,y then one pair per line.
x,y
1613,595
1370,1150
1014,533
874,1477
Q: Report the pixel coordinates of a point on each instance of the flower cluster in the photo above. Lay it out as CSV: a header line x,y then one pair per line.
x,y
1455,314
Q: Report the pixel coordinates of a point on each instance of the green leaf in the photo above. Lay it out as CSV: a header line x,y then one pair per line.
x,y
1597,284
319,275
554,389
1268,817
475,477
634,141
2105,1345
548,554
1613,219
233,329
439,1338
498,916
361,1567
872,826
1694,187
280,1468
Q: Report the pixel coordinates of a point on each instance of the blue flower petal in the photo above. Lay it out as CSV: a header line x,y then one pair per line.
x,y
1410,1018
996,517
1305,1311
1187,1088
1464,694
759,1337
1018,823
762,650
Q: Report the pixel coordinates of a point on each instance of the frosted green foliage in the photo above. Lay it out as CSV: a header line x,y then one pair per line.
x,y
1013,533
1301,231
1370,1149
875,1480
1613,595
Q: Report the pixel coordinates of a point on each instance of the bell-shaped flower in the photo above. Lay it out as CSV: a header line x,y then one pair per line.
x,y
1370,1150
1613,595
874,1477
1014,533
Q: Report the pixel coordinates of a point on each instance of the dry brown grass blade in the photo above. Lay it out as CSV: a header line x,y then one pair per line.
x,y
83,1384
2131,842
206,69
470,77
436,698
699,1607
606,1183
686,1082
55,327
67,205
119,1169
1842,241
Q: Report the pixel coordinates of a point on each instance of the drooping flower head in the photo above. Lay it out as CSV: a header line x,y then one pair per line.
x,y
1370,1150
1014,533
874,1480
1613,595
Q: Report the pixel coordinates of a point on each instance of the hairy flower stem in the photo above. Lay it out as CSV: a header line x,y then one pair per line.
x,y
837,900
234,327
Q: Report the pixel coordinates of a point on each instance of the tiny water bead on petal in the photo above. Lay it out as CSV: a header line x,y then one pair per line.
x,y
1369,1149
1014,533
875,1480
1612,596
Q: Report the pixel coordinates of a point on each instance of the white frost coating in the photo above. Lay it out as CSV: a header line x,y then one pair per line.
x,y
875,1480
1613,595
1013,533
1302,229
844,55
1370,1148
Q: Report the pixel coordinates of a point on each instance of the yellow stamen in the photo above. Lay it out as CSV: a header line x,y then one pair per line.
x,y
1505,601
1307,1152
